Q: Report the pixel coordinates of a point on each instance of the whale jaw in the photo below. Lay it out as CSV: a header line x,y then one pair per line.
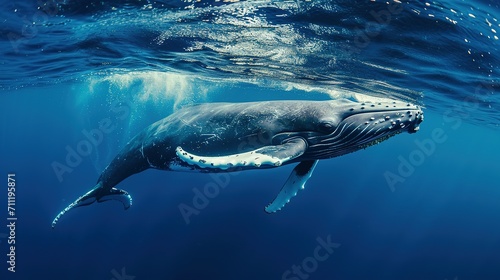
x,y
362,125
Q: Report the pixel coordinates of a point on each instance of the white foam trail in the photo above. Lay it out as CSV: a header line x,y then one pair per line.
x,y
157,87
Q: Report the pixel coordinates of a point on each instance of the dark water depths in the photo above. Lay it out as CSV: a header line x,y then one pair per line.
x,y
68,65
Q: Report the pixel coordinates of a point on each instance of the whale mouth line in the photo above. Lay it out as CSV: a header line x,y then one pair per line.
x,y
350,138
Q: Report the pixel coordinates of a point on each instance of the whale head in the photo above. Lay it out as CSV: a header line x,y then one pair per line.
x,y
344,126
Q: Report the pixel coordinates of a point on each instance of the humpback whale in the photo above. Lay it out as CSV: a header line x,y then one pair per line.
x,y
227,137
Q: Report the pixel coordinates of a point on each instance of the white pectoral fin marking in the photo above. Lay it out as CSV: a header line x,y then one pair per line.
x,y
295,182
265,156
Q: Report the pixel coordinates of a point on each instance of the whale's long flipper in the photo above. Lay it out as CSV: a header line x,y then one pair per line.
x,y
265,156
99,194
295,182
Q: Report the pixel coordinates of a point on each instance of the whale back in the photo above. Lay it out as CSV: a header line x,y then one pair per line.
x,y
217,129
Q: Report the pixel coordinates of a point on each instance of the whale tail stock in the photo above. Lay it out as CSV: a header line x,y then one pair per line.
x,y
99,194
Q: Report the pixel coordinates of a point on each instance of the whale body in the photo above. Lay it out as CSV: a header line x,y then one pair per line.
x,y
227,137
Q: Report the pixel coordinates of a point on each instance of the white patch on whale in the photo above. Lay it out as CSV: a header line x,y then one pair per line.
x,y
252,158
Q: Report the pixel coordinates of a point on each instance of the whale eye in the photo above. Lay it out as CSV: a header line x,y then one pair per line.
x,y
326,127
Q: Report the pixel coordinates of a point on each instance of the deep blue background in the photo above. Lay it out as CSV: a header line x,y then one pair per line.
x,y
63,68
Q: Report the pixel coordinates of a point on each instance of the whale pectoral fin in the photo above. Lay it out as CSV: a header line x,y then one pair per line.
x,y
295,182
96,194
264,156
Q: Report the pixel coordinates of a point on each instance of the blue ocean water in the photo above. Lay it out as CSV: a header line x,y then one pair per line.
x,y
419,206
